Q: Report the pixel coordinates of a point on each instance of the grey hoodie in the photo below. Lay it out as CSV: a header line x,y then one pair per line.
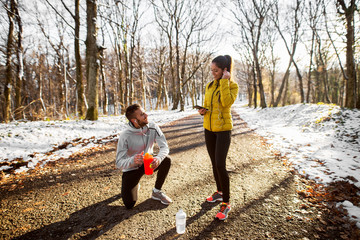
x,y
136,140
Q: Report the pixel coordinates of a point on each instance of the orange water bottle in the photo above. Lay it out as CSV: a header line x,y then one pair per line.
x,y
148,158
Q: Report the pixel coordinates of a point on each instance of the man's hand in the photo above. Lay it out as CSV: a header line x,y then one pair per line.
x,y
139,158
155,163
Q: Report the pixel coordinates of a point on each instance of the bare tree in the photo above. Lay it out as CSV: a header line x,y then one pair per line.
x,y
9,60
92,58
141,66
314,10
321,71
20,65
290,46
161,93
271,60
290,49
347,11
116,24
251,17
103,90
185,24
59,92
79,74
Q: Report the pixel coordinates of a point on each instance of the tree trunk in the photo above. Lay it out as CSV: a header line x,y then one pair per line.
x,y
178,94
41,92
310,67
126,74
284,101
103,84
325,82
285,78
172,73
92,57
116,97
59,80
318,93
314,16
66,100
104,95
193,93
301,85
350,97
131,71
272,85
350,94
120,77
9,70
79,74
358,87
142,80
20,67
254,85
166,95
261,87
160,85
249,84
143,87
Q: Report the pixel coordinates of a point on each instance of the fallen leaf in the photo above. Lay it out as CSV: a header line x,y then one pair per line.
x,y
67,193
28,210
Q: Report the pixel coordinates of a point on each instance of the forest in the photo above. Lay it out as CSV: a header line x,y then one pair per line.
x,y
81,59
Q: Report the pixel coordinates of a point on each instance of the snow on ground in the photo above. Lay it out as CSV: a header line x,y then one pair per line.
x,y
321,141
32,140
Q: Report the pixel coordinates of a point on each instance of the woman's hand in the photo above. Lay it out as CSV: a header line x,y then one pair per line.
x,y
202,111
226,75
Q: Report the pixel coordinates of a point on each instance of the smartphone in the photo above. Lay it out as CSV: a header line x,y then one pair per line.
x,y
200,107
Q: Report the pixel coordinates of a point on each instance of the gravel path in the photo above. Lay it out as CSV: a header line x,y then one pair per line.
x,y
80,198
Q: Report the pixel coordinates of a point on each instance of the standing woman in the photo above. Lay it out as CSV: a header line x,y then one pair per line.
x,y
220,94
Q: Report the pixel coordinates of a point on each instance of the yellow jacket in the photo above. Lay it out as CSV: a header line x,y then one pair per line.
x,y
219,96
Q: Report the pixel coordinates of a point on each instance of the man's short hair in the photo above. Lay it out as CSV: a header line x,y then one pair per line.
x,y
130,110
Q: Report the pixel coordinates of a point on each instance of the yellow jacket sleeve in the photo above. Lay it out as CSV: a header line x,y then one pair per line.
x,y
228,92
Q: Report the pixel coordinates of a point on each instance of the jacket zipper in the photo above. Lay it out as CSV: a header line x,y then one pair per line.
x,y
211,106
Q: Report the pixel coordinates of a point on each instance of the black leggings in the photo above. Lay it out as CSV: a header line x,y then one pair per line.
x,y
217,144
131,179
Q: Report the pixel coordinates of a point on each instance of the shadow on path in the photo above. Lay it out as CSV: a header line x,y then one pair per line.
x,y
236,212
92,221
172,234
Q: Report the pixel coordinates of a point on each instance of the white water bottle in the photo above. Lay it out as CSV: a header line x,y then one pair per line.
x,y
180,221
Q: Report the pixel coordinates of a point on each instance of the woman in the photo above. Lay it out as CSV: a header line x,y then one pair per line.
x,y
220,94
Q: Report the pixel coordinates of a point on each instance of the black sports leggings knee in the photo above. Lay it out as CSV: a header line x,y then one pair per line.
x,y
131,179
217,144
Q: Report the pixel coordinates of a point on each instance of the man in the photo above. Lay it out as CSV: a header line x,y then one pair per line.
x,y
138,138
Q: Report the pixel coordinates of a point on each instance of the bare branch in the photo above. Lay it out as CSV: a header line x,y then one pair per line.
x,y
56,11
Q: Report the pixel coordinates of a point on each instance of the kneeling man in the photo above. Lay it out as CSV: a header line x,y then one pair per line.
x,y
138,138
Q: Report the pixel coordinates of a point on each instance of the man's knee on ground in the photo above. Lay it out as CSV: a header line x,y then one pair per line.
x,y
130,205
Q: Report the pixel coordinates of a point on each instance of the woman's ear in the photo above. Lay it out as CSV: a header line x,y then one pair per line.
x,y
225,69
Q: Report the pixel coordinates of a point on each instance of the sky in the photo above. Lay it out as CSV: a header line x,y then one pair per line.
x,y
321,141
